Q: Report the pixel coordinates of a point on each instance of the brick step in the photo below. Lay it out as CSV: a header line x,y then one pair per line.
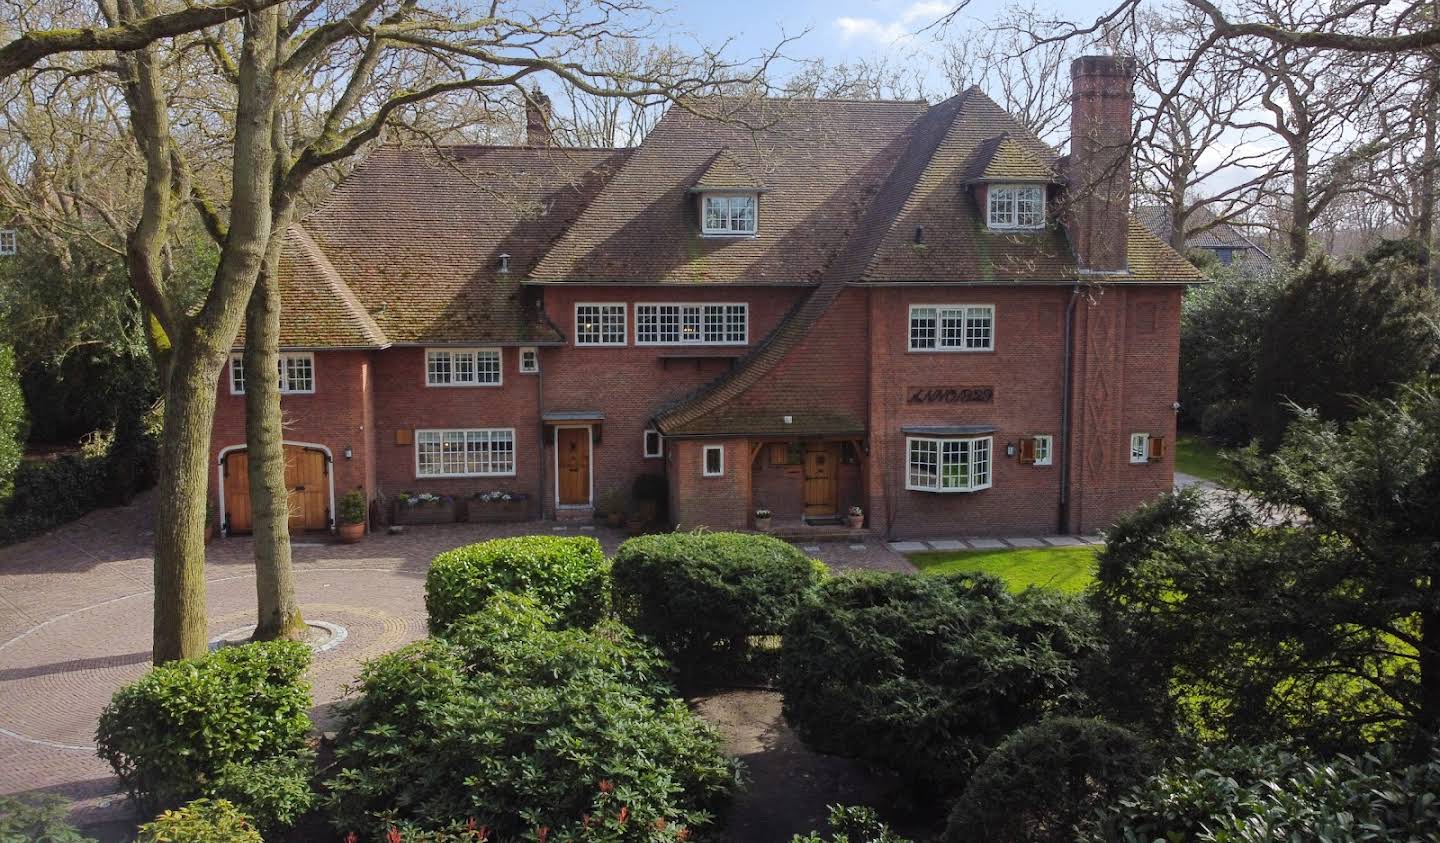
x,y
582,513
836,533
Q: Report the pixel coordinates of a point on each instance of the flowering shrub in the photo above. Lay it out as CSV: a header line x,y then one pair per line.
x,y
530,731
568,575
498,496
423,498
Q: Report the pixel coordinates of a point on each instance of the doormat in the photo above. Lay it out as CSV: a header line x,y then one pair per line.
x,y
827,521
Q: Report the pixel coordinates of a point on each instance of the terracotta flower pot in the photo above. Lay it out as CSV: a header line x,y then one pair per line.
x,y
351,533
855,521
762,524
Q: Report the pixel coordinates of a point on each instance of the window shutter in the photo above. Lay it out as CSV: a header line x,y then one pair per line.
x,y
779,453
403,436
1157,447
1027,450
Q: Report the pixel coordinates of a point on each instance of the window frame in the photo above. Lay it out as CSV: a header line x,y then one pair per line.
x,y
9,241
1143,440
939,442
534,353
705,461
601,342
1013,223
939,330
1049,442
729,195
701,321
659,452
477,351
420,433
281,362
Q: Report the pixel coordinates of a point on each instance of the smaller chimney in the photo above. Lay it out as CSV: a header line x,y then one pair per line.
x,y
1102,103
537,119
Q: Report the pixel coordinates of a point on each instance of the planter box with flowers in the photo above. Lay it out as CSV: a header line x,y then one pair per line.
x,y
497,505
423,508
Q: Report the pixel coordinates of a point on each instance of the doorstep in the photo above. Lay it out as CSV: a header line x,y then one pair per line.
x,y
1018,543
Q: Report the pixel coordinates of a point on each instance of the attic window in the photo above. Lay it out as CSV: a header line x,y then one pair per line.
x,y
728,213
1016,206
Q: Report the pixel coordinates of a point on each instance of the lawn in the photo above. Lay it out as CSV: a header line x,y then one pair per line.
x,y
1069,569
1197,456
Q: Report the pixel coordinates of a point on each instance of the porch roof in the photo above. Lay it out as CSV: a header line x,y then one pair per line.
x,y
949,430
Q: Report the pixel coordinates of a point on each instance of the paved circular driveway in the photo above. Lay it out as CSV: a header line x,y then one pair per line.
x,y
75,621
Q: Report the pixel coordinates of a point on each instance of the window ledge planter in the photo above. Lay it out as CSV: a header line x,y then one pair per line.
x,y
423,509
489,507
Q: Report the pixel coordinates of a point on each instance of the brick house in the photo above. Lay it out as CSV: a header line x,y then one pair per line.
x,y
806,305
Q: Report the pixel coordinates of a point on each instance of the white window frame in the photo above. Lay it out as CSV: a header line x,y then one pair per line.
x,y
474,379
659,450
705,461
1044,443
533,366
1139,445
1006,200
729,218
420,435
681,316
283,362
966,312
9,241
972,445
604,306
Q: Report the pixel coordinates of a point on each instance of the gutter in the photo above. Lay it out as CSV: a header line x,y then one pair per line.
x,y
1066,391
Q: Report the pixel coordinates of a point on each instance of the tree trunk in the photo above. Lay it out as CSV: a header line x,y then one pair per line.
x,y
1299,232
1425,212
277,609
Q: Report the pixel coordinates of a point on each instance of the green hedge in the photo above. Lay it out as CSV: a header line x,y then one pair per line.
x,y
201,821
12,421
925,675
516,724
1045,779
569,576
37,816
702,597
237,719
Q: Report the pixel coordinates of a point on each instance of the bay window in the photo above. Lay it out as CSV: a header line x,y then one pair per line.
x,y
943,464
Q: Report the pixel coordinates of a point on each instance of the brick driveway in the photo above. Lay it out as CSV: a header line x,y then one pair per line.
x,y
75,625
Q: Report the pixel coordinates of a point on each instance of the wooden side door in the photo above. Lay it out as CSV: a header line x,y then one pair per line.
x,y
821,487
572,455
308,482
237,492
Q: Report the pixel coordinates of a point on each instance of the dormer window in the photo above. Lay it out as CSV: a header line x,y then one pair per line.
x,y
1016,206
728,213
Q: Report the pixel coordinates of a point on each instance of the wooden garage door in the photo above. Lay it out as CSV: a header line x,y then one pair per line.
x,y
305,477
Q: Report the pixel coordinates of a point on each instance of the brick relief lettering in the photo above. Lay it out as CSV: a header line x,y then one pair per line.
x,y
949,394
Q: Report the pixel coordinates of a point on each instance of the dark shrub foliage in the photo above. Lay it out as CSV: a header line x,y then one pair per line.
x,y
853,824
175,733
1227,422
52,492
1248,795
516,725
1341,333
37,817
570,576
1220,328
702,596
1045,779
926,674
12,422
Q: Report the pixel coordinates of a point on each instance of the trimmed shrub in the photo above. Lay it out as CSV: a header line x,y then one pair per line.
x,y
516,724
12,421
180,730
924,674
201,821
702,596
1045,779
37,817
276,792
571,576
1257,795
853,824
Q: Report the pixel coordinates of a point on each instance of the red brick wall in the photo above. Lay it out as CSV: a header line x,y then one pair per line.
x,y
717,503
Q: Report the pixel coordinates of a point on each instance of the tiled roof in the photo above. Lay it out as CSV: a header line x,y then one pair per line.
x,y
417,234
727,171
1003,158
1220,235
319,310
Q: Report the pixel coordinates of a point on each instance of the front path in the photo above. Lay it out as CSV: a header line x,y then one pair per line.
x,y
75,614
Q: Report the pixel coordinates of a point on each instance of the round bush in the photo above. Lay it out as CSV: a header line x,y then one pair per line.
x,y
202,821
925,674
1044,780
515,724
169,735
702,596
569,576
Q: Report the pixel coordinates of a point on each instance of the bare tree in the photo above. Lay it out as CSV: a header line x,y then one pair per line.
x,y
1029,80
885,76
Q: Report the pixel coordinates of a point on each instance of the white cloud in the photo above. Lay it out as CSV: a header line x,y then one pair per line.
x,y
914,17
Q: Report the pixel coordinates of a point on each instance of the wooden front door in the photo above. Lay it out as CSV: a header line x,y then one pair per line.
x,y
820,482
572,460
306,478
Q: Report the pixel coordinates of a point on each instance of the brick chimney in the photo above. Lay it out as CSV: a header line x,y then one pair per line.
x,y
1102,103
537,119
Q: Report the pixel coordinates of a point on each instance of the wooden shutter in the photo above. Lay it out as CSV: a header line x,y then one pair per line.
x,y
1157,447
779,453
403,436
1027,450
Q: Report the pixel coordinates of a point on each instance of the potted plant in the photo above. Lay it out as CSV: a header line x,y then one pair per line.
x,y
612,506
211,513
855,518
762,519
423,508
352,517
496,505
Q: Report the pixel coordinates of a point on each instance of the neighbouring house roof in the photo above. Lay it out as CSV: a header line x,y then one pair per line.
x,y
1216,235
